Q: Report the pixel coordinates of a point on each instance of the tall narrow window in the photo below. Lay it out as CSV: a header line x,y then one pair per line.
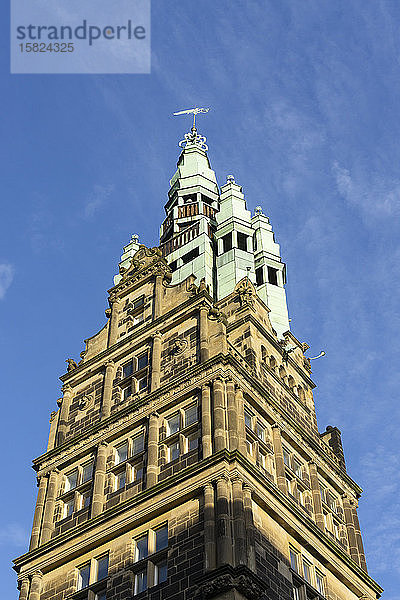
x,y
101,567
121,453
141,548
83,576
190,415
71,480
242,241
140,581
273,275
294,560
259,276
161,538
227,242
173,424
319,579
160,572
307,570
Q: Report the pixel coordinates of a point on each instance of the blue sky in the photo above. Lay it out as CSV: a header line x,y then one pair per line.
x,y
304,99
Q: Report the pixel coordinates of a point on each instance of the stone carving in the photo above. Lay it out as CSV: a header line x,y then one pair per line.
x,y
245,293
179,346
71,365
223,583
84,401
146,261
214,314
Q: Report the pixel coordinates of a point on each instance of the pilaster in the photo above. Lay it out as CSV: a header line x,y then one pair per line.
x,y
37,518
99,479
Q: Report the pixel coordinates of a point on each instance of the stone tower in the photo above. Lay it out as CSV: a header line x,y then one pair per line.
x,y
184,461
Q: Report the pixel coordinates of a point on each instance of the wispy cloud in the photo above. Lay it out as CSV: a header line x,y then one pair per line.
x,y
374,195
97,199
381,469
13,534
6,278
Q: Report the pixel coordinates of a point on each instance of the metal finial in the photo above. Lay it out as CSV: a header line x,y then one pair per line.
x,y
258,210
135,238
230,179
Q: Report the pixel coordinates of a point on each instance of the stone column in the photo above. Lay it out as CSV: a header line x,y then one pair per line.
x,y
107,389
360,546
351,532
54,416
232,415
279,463
206,429
37,518
64,411
219,415
239,401
114,318
224,534
204,350
24,588
209,527
99,479
152,451
248,515
156,361
239,526
316,495
158,296
48,514
36,586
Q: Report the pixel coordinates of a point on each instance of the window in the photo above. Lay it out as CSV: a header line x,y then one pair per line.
x,y
101,567
84,499
137,473
186,258
190,415
83,576
272,275
161,540
142,361
290,486
192,442
121,453
173,451
101,596
262,460
322,490
142,383
141,547
242,241
227,242
120,480
160,572
173,265
319,580
294,559
286,457
254,242
260,431
127,369
128,391
138,444
307,570
296,465
248,418
69,507
71,480
259,276
296,593
140,581
87,472
173,424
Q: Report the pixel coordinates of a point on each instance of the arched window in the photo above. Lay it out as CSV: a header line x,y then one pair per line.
x,y
272,362
263,354
282,374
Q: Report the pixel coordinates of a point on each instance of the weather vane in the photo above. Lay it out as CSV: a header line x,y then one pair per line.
x,y
193,138
192,111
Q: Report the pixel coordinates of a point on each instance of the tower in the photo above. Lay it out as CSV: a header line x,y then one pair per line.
x,y
184,460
